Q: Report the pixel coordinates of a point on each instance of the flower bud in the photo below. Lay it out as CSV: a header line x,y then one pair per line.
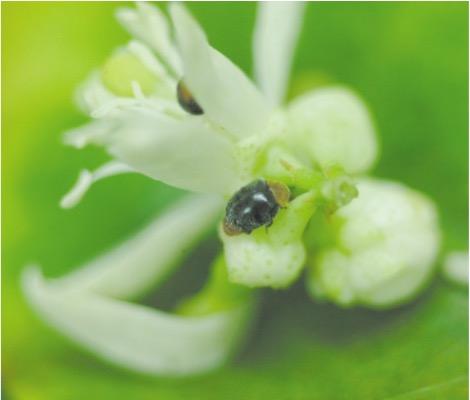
x,y
332,126
455,267
381,247
270,256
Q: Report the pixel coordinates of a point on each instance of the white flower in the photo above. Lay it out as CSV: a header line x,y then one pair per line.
x,y
153,134
137,118
243,133
180,112
381,250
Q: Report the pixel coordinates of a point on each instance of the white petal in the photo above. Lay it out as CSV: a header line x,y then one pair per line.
x,y
137,337
185,154
223,91
94,99
182,153
141,103
144,54
87,178
333,126
150,25
92,94
88,134
146,258
277,28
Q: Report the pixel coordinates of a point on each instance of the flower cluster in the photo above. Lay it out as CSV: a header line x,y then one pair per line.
x,y
293,175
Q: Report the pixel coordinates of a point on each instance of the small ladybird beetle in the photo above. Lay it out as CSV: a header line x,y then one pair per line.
x,y
254,205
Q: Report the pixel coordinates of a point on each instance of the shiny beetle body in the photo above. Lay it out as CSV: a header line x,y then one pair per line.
x,y
254,205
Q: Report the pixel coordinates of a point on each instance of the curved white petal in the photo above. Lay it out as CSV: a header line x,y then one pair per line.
x,y
86,179
134,336
88,134
183,153
135,265
150,25
277,28
87,305
333,126
226,95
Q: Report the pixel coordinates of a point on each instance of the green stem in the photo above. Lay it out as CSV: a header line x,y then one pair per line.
x,y
218,294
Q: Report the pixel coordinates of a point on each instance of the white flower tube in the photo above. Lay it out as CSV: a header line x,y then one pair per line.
x,y
89,305
382,249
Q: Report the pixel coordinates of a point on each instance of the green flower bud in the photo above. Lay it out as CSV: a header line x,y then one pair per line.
x,y
380,249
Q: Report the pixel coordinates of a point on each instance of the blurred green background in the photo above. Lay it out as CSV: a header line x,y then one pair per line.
x,y
410,63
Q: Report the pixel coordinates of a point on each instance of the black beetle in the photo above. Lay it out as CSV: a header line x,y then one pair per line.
x,y
254,205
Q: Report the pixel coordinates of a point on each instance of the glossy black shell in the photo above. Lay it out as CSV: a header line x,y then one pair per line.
x,y
252,206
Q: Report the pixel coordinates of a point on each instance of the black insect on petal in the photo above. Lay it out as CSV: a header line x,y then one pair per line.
x,y
186,100
254,205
